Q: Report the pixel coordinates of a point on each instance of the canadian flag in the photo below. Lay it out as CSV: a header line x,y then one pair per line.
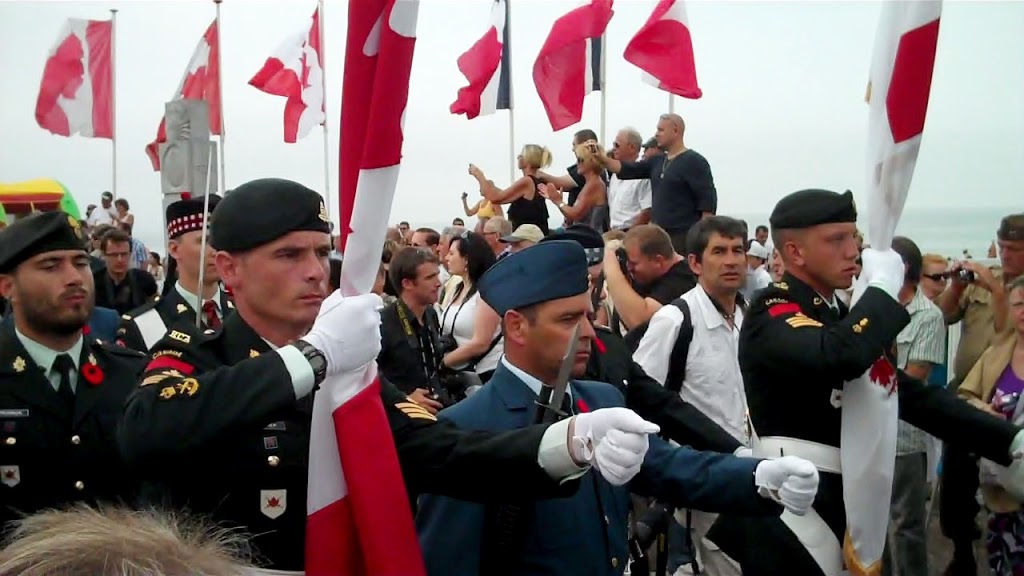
x,y
568,66
295,72
76,92
487,67
359,513
663,49
901,78
200,82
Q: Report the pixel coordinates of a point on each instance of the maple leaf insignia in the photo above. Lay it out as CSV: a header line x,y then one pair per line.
x,y
883,373
273,503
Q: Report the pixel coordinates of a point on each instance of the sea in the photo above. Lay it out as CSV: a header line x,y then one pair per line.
x,y
945,231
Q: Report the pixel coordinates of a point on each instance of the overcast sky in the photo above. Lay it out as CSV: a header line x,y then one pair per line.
x,y
783,104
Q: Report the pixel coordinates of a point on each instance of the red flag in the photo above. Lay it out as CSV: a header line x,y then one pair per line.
x,y
294,71
486,66
76,92
359,519
200,82
563,72
663,49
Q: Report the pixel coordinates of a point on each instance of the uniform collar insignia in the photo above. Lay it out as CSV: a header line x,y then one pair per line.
x,y
19,364
253,353
182,308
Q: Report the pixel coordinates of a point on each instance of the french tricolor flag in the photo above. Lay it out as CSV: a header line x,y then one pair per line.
x,y
663,49
568,66
487,65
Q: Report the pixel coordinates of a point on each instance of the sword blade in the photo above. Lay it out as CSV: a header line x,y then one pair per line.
x,y
550,402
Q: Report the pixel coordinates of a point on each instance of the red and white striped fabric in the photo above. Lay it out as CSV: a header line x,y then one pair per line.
x,y
76,92
294,71
200,82
360,523
663,49
564,70
901,77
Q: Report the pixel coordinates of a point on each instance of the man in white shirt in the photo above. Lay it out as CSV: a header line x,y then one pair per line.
x,y
757,274
104,214
711,379
629,201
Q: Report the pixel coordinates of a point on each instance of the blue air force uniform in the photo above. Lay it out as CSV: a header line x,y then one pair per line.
x,y
586,533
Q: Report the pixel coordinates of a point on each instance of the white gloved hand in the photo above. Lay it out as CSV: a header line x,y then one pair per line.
x,y
614,440
347,331
1017,446
883,269
790,481
743,452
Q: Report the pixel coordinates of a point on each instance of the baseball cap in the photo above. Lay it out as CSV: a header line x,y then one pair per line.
x,y
528,232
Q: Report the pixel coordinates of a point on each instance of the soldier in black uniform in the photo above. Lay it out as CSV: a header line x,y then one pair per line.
x,y
222,417
611,361
61,391
143,327
799,345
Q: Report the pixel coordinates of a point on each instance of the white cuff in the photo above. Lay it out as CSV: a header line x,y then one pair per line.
x,y
298,368
553,455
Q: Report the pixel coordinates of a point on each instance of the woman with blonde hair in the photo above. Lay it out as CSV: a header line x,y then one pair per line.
x,y
483,210
526,205
591,206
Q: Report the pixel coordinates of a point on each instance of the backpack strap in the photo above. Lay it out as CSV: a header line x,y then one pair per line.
x,y
677,361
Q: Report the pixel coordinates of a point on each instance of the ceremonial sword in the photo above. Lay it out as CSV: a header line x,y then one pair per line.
x,y
549,401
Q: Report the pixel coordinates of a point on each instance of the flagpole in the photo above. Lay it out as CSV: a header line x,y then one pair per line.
x,y
671,103
323,81
604,91
220,91
512,164
113,102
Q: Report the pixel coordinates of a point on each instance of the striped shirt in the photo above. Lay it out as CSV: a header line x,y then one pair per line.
x,y
922,340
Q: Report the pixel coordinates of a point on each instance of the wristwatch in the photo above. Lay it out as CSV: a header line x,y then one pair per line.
x,y
316,360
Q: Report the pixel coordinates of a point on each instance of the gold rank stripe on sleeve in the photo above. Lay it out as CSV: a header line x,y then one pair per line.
x,y
802,321
414,411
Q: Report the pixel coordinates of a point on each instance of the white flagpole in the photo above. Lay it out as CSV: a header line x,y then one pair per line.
x,y
203,237
512,165
113,102
323,79
604,86
220,89
671,103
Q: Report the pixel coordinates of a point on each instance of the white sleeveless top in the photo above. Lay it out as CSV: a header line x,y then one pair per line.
x,y
459,319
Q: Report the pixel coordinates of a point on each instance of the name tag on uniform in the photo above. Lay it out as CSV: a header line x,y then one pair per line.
x,y
14,413
275,426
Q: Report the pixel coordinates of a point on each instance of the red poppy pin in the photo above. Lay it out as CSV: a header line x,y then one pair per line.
x,y
86,330
92,373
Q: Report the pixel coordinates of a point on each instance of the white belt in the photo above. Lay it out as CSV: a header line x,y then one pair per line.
x,y
818,539
268,572
824,457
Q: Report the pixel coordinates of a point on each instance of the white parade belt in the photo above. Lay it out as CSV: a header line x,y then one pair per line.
x,y
812,532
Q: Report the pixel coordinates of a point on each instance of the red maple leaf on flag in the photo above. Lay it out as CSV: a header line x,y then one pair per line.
x,y
883,373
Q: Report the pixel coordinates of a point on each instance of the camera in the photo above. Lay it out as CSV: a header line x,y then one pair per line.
x,y
456,386
448,343
964,275
620,255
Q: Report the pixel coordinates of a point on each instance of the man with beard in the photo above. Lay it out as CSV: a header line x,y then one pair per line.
x,y
61,391
145,326
221,420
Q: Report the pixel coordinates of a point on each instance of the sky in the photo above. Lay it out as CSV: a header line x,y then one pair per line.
x,y
783,106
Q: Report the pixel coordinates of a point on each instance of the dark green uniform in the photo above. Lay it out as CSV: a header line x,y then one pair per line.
x,y
217,424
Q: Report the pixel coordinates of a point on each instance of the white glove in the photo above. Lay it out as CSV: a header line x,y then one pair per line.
x,y
614,440
347,331
790,481
743,452
883,269
1017,446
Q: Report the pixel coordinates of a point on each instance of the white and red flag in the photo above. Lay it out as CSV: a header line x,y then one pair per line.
x,y
568,66
901,78
76,92
295,72
487,67
200,82
360,522
663,49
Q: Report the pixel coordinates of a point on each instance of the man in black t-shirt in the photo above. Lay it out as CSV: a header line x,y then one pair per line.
x,y
682,188
658,274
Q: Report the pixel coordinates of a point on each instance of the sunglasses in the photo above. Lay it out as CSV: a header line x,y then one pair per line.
x,y
940,277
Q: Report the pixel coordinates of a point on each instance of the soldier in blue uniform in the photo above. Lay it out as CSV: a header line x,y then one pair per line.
x,y
61,390
798,346
542,295
143,327
221,420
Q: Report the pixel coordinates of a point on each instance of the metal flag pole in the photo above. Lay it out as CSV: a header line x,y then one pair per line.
x,y
220,94
671,103
113,102
323,80
512,165
604,88
203,240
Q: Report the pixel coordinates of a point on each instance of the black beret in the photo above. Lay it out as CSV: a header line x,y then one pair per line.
x,y
808,208
545,271
590,239
1011,228
36,234
186,215
261,211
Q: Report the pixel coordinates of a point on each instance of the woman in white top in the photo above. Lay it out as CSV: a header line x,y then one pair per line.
x,y
469,320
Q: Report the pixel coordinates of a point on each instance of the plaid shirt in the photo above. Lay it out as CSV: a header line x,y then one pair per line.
x,y
923,340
